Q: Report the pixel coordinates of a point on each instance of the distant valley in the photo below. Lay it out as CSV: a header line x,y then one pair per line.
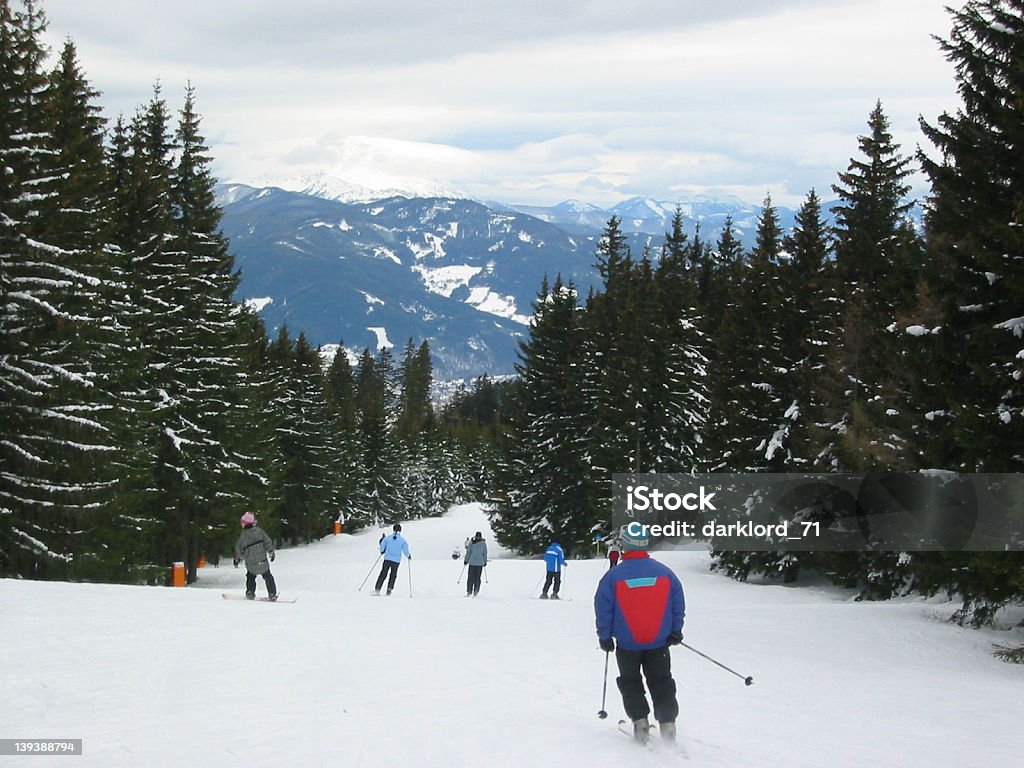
x,y
459,273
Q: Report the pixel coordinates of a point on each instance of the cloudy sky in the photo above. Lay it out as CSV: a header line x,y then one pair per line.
x,y
532,101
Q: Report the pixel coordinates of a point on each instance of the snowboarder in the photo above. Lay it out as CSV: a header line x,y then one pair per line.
x,y
476,559
255,547
639,607
554,560
392,547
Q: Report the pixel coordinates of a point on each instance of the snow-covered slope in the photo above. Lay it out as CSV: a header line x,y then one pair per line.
x,y
179,677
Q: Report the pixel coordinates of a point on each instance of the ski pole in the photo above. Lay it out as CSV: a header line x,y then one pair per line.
x,y
486,580
410,577
537,585
604,687
459,580
370,571
747,680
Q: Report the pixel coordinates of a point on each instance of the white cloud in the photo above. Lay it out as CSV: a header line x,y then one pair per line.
x,y
531,102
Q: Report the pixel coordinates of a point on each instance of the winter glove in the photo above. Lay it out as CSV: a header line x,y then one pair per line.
x,y
675,638
272,556
236,562
607,645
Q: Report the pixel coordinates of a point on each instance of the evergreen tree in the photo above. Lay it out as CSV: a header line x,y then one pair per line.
x,y
614,361
379,495
340,394
975,229
302,477
59,439
877,259
551,492
719,269
970,355
416,413
808,323
748,407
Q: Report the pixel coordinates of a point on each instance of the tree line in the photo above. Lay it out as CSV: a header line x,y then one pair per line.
x,y
142,408
870,345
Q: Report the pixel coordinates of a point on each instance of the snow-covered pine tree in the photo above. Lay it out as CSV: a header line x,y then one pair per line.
x,y
973,353
678,412
748,412
809,326
975,231
189,364
806,323
379,493
877,259
210,362
416,378
550,491
56,334
340,397
428,486
304,466
718,268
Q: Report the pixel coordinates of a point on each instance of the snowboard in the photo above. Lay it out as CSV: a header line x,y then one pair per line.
x,y
231,596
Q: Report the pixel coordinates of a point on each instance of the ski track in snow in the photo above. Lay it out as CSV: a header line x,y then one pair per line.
x,y
179,677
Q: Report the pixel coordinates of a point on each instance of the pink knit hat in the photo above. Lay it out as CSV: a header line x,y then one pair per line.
x,y
248,518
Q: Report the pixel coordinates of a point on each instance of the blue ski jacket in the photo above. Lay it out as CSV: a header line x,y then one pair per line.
x,y
394,546
639,602
554,558
476,553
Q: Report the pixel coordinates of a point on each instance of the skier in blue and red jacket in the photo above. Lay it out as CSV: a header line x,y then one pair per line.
x,y
640,607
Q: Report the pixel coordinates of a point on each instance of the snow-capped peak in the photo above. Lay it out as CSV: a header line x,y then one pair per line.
x,y
343,190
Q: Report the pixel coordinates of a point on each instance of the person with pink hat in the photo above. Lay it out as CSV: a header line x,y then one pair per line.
x,y
258,551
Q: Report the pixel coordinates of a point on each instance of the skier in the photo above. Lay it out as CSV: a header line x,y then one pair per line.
x,y
255,547
476,559
639,606
554,559
613,551
392,547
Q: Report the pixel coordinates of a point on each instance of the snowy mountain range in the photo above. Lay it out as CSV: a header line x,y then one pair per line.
x,y
371,266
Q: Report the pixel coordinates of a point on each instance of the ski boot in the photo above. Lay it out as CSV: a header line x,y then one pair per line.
x,y
668,731
272,598
543,595
642,730
250,595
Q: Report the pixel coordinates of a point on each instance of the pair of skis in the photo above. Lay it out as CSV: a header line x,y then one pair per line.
x,y
232,596
653,741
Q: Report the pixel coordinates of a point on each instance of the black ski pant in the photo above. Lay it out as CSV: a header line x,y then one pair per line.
x,y
473,580
554,577
268,579
389,566
657,669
